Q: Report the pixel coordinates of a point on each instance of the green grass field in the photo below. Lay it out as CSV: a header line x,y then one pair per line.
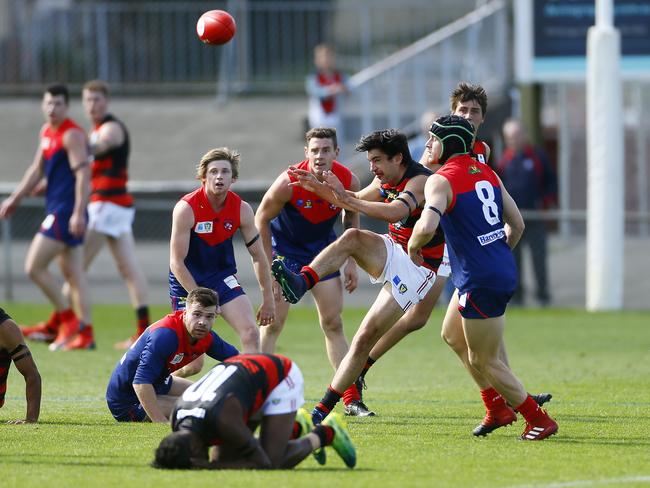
x,y
596,365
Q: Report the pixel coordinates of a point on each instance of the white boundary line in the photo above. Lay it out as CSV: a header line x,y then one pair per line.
x,y
601,482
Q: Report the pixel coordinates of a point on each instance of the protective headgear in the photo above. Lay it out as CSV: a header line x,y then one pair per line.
x,y
456,135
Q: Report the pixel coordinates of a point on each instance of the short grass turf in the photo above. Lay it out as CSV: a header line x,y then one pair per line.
x,y
596,365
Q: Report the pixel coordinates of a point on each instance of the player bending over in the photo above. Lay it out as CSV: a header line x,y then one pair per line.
x,y
225,407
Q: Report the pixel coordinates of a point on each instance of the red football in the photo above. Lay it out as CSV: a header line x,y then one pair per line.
x,y
216,27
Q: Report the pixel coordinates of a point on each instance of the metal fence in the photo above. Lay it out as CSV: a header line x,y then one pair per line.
x,y
144,46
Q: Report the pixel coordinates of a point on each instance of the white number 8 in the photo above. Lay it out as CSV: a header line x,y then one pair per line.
x,y
485,193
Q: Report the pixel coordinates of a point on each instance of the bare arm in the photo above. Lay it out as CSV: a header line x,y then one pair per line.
x,y
74,142
438,195
110,135
393,211
147,397
514,221
12,340
261,264
351,220
182,222
272,203
30,179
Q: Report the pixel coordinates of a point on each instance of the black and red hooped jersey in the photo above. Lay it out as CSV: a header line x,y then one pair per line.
x,y
110,170
250,377
400,232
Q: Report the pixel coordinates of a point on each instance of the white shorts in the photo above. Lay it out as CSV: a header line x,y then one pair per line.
x,y
409,282
444,269
109,218
288,396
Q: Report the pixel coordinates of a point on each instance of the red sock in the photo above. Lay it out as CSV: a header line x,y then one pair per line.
x,y
310,276
142,313
67,315
295,433
54,321
530,410
492,400
351,394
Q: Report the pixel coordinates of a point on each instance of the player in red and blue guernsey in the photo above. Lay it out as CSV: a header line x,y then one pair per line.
x,y
225,407
482,224
203,225
142,386
62,158
295,224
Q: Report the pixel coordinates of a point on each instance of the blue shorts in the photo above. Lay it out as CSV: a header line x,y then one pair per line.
x,y
227,288
56,226
483,303
296,265
126,410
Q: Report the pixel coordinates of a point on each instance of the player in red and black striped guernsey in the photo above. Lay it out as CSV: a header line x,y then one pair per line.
x,y
295,225
226,406
111,211
13,348
204,223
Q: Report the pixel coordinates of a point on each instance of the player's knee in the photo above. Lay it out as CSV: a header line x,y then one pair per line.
x,y
250,338
416,324
478,361
351,238
332,325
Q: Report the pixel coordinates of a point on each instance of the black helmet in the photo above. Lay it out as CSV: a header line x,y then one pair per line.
x,y
456,135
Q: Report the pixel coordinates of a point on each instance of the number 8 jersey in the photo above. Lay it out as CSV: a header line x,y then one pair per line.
x,y
474,229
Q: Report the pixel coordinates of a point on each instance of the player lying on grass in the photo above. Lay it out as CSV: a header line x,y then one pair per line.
x,y
225,407
141,387
13,348
482,224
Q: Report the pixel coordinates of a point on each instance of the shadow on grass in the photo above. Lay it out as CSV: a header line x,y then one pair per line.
x,y
55,461
635,441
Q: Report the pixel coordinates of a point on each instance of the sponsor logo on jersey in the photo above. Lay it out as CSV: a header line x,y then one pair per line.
x,y
177,358
490,237
402,289
474,170
300,202
481,158
308,204
228,225
332,206
203,227
45,143
276,401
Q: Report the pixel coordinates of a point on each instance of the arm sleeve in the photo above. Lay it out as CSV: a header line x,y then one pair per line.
x,y
220,349
160,345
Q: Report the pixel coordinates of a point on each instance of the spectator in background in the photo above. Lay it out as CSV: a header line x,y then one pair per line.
x,y
529,177
324,88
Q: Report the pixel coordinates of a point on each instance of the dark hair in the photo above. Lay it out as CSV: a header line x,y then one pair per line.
x,y
59,89
203,296
322,133
389,141
173,452
456,135
465,92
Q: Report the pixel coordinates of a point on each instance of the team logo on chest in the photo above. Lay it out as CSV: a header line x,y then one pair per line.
x,y
228,225
474,170
177,358
203,227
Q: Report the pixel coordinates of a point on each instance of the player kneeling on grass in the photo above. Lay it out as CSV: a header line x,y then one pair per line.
x,y
142,387
13,348
225,407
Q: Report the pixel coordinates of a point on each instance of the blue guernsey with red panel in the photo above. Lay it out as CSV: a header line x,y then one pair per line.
x,y
60,193
305,225
474,228
210,257
163,348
